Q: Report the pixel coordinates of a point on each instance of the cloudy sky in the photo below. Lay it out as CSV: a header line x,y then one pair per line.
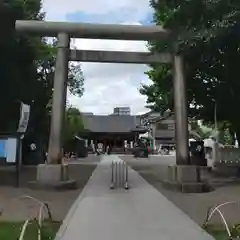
x,y
106,85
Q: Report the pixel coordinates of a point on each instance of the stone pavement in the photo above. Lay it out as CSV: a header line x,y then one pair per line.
x,y
137,214
154,171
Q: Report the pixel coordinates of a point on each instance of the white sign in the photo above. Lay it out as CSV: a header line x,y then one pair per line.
x,y
11,150
8,149
24,118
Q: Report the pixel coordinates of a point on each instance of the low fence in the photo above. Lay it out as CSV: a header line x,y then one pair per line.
x,y
226,161
43,206
229,154
232,230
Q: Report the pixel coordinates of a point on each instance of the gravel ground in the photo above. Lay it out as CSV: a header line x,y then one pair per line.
x,y
12,208
195,206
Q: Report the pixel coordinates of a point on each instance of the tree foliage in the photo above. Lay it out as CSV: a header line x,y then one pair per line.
x,y
208,36
73,124
27,66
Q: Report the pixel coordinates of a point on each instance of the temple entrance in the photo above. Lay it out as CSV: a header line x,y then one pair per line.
x,y
65,31
120,142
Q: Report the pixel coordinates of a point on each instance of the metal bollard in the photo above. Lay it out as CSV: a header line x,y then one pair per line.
x,y
119,175
126,186
112,185
116,175
122,174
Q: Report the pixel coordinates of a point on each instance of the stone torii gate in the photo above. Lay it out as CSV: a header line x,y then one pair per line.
x,y
64,31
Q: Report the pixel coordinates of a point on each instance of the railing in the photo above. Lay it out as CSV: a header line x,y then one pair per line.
x,y
229,154
42,206
119,175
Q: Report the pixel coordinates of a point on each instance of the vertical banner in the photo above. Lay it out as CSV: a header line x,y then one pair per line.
x,y
24,118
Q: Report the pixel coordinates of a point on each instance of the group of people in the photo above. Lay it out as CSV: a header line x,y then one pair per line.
x,y
100,148
141,148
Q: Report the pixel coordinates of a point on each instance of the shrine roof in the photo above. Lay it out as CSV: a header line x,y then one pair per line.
x,y
110,123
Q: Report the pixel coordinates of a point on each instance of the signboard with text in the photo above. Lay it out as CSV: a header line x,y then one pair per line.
x,y
8,149
24,118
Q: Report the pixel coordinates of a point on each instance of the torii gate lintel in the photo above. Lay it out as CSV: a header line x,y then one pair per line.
x,y
65,31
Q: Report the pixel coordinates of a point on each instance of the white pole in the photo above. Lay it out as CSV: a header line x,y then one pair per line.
x,y
215,122
215,149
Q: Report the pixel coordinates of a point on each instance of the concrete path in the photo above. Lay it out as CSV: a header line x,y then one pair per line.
x,y
137,214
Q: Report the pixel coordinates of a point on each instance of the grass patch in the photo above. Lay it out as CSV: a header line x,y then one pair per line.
x,y
220,233
12,230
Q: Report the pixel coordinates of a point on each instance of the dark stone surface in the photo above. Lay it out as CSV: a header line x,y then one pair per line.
x,y
78,170
227,171
60,186
187,187
175,186
195,187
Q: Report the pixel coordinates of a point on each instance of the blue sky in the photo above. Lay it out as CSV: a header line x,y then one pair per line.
x,y
106,85
120,16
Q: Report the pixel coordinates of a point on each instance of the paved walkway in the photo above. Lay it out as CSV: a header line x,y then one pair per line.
x,y
137,214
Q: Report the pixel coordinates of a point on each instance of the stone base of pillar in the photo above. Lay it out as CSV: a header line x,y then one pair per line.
x,y
53,176
186,179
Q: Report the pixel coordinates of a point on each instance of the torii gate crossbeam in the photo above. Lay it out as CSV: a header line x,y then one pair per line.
x,y
64,31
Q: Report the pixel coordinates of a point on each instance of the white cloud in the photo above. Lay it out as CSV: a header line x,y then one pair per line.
x,y
106,85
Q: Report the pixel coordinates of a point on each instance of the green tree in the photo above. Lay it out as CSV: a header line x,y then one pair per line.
x,y
208,38
73,124
201,130
76,80
17,66
43,97
27,66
